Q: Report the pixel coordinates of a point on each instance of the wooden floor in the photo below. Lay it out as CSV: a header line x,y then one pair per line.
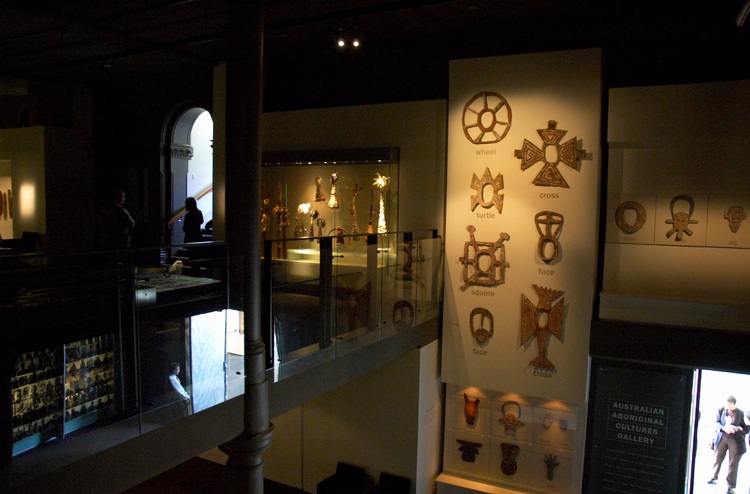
x,y
199,476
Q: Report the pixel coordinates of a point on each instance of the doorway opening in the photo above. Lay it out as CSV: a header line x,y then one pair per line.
x,y
190,172
711,393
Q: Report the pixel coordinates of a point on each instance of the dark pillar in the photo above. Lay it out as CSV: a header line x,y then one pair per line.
x,y
244,96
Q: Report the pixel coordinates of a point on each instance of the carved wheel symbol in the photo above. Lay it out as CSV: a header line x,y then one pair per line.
x,y
486,118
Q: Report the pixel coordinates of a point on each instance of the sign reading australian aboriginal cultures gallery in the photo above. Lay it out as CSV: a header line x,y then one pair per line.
x,y
638,423
637,432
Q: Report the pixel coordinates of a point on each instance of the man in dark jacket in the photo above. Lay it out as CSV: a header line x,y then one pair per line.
x,y
730,436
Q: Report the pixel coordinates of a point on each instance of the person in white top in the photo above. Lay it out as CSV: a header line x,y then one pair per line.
x,y
175,381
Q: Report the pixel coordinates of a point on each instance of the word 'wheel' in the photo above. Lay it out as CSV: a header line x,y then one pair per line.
x,y
486,118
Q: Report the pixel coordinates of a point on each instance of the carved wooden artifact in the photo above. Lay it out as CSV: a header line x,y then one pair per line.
x,y
482,325
640,216
484,264
470,409
735,215
566,153
541,321
550,234
681,220
487,181
486,118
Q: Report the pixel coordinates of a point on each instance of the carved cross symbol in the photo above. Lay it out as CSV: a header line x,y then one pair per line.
x,y
566,153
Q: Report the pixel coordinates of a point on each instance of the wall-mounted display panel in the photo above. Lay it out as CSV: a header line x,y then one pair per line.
x,y
508,439
691,179
521,230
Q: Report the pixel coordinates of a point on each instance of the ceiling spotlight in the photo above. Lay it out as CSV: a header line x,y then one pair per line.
x,y
355,43
341,42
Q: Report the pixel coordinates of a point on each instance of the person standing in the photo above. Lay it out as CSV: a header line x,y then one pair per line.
x,y
177,390
115,223
193,221
730,437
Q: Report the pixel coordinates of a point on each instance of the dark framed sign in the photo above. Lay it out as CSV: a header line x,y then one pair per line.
x,y
638,429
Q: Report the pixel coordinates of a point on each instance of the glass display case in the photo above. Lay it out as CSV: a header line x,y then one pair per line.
x,y
334,294
332,192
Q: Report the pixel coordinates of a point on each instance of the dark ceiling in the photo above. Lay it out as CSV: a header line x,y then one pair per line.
x,y
406,44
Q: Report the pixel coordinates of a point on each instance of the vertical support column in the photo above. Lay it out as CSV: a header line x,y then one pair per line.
x,y
373,255
326,304
243,160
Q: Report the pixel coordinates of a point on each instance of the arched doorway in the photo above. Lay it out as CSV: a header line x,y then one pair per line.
x,y
188,167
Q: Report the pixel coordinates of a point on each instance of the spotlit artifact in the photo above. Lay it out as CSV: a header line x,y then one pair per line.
x,y
735,215
640,216
550,234
381,182
469,450
511,418
353,212
487,181
508,465
681,220
320,196
550,461
333,202
484,262
482,326
486,118
470,409
541,321
566,153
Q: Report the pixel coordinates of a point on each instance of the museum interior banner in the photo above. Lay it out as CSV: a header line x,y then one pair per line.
x,y
522,203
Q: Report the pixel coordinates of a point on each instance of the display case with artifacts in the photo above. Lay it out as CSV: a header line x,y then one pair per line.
x,y
299,177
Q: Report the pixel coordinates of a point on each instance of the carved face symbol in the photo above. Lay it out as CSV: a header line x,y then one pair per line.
x,y
681,221
735,215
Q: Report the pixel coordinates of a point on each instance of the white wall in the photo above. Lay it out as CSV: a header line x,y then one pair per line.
x,y
416,128
24,148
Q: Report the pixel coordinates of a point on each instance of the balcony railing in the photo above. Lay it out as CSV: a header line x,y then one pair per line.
x,y
330,295
88,340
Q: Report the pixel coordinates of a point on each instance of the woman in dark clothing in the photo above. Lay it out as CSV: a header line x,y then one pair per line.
x,y
193,221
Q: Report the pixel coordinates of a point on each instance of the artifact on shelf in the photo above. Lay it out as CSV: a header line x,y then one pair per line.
x,y
321,222
381,182
282,221
621,221
681,220
511,419
479,186
550,461
482,326
333,201
320,196
553,224
470,409
313,216
486,118
485,263
406,272
299,229
566,153
353,212
548,421
541,321
508,465
398,311
469,450
735,215
370,228
340,232
265,220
